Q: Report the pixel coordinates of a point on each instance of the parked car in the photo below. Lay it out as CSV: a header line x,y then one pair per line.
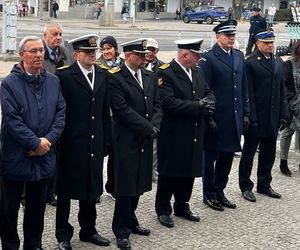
x,y
205,13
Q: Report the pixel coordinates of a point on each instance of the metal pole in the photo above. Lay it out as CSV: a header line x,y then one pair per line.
x,y
134,11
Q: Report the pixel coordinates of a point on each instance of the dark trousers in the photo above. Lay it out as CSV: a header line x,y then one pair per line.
x,y
180,187
86,217
54,14
110,183
124,219
251,43
266,158
33,223
50,187
217,166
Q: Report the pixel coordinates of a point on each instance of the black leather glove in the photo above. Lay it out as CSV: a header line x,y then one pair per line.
x,y
211,125
246,124
283,124
207,105
154,133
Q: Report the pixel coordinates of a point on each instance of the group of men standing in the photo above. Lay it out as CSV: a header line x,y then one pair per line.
x,y
198,108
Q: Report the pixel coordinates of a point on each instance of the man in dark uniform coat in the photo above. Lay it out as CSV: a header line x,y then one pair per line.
x,y
84,142
185,98
257,23
265,73
225,73
136,120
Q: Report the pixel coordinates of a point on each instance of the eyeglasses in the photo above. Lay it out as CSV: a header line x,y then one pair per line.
x,y
35,51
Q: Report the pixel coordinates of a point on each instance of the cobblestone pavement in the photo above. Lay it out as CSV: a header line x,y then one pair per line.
x,y
267,224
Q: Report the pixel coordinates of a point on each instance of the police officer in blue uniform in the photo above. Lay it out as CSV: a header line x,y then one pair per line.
x,y
257,23
265,76
225,73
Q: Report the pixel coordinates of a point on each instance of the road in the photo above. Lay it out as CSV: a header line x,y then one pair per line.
x,y
164,31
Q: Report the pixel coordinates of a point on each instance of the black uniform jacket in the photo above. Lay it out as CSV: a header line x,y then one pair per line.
x,y
266,93
180,142
87,133
136,111
257,23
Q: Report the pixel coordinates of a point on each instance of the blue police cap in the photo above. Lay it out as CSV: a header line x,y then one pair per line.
x,y
227,27
86,42
265,36
137,46
256,9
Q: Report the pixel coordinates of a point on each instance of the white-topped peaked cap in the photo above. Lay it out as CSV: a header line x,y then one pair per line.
x,y
151,42
227,27
137,46
193,45
86,42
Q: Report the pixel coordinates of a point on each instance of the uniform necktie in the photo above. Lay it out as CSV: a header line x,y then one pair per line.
x,y
54,54
137,77
90,76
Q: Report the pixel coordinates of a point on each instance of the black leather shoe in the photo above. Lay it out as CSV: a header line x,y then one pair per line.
x,y
213,204
270,192
96,239
188,215
165,220
65,245
98,199
141,231
249,196
226,203
51,200
123,244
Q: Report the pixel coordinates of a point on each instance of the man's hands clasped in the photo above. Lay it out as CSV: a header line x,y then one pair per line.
x,y
42,149
207,105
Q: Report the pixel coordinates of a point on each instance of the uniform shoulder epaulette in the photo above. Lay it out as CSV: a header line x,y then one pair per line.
x,y
114,70
164,66
102,66
63,67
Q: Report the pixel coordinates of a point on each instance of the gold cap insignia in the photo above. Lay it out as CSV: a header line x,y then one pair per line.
x,y
144,44
93,41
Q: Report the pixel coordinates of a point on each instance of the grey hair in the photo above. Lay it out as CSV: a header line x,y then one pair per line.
x,y
26,39
50,25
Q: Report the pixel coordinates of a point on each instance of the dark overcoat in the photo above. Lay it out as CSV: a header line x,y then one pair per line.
x,y
266,93
180,142
135,112
87,134
227,78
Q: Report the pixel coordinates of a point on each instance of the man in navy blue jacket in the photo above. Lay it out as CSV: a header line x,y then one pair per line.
x,y
33,117
225,72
